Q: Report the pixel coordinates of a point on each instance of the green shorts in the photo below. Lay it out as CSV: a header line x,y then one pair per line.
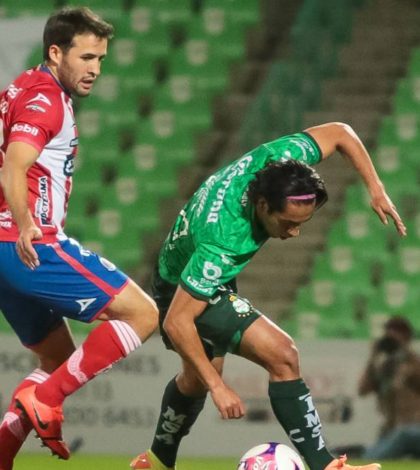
x,y
222,323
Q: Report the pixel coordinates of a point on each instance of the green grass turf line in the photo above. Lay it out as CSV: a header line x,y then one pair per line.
x,y
112,462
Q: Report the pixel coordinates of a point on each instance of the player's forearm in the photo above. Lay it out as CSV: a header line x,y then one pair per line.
x,y
187,343
350,145
15,188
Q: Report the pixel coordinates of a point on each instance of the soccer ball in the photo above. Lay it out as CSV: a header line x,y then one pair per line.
x,y
271,456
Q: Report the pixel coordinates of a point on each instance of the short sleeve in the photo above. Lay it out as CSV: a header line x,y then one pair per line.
x,y
36,118
300,146
208,268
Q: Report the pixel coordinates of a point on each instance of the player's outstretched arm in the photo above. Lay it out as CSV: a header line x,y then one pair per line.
x,y
19,158
180,327
341,137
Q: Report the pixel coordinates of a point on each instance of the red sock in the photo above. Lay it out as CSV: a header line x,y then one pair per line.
x,y
105,345
14,428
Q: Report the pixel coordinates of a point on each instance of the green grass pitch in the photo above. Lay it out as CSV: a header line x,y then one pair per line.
x,y
106,462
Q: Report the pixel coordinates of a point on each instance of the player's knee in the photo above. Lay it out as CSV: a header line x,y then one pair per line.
x,y
285,361
149,318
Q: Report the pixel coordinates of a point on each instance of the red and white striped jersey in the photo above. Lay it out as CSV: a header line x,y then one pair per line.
x,y
37,110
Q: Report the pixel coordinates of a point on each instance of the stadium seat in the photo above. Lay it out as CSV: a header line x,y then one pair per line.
x,y
243,12
156,177
208,77
110,10
14,8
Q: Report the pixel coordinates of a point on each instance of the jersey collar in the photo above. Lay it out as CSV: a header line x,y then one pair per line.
x,y
44,68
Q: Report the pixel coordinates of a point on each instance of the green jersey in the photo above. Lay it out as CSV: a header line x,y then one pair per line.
x,y
215,234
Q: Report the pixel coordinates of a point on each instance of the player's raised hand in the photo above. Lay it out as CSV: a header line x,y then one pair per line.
x,y
227,402
24,246
384,207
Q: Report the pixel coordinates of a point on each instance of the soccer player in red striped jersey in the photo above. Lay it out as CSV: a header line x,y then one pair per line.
x,y
44,275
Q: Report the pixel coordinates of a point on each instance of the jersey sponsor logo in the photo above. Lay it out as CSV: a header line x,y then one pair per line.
x,y
236,169
35,107
4,107
197,286
40,97
42,206
226,259
68,168
211,271
1,142
74,142
6,219
13,91
312,422
84,303
181,226
26,128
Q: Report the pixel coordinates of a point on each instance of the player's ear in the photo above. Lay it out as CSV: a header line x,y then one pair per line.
x,y
55,54
261,204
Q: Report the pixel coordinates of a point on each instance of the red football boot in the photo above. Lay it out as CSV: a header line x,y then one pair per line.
x,y
46,421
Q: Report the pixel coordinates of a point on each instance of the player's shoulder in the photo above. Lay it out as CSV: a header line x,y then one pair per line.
x,y
36,89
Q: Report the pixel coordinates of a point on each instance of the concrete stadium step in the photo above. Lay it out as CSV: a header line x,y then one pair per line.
x,y
355,85
342,101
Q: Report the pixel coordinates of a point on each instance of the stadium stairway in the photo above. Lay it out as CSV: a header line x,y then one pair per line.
x,y
383,33
262,46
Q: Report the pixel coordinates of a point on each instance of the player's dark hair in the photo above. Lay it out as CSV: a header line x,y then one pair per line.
x,y
280,180
63,25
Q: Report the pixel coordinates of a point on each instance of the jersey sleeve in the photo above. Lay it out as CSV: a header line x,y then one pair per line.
x,y
208,268
36,118
300,146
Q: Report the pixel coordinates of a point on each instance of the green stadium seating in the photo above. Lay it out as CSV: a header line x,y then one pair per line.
x,y
156,177
243,12
208,75
14,8
35,57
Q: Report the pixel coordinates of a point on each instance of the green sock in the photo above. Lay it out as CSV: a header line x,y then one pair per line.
x,y
178,413
293,406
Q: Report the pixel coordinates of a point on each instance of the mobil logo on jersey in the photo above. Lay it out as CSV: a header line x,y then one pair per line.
x,y
25,128
42,208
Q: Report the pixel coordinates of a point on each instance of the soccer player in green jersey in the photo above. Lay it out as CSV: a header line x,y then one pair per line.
x,y
269,192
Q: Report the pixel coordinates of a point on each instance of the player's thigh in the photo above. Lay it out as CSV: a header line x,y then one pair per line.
x,y
55,348
70,280
266,344
135,307
31,320
224,321
163,293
